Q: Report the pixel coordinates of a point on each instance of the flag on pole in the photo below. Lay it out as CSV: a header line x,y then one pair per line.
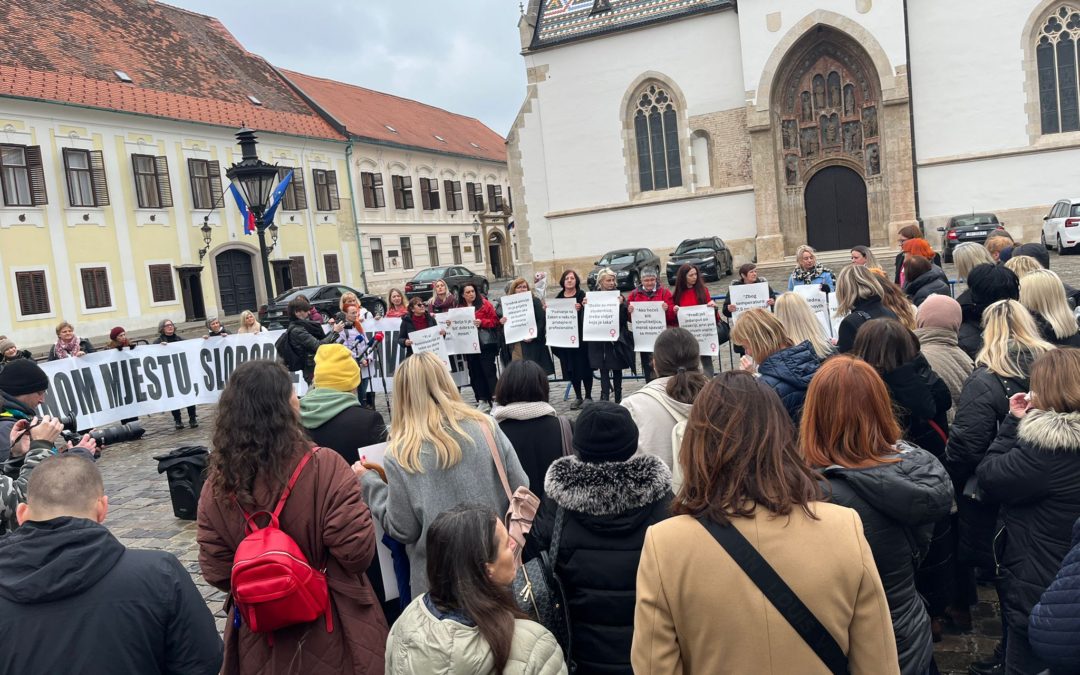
x,y
248,216
275,197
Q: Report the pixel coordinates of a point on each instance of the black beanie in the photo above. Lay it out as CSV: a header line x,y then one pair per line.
x,y
605,432
23,376
1037,251
990,283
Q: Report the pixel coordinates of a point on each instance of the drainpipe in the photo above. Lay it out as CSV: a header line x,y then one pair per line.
x,y
911,119
356,215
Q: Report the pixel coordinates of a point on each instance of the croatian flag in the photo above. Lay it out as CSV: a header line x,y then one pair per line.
x,y
248,216
275,198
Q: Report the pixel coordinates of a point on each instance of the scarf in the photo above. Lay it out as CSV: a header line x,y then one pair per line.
x,y
807,276
67,350
522,411
437,306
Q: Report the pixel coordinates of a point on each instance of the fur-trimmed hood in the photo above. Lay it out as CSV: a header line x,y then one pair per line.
x,y
608,488
1051,431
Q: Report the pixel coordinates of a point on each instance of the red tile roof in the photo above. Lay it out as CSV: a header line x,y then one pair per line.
x,y
367,114
184,66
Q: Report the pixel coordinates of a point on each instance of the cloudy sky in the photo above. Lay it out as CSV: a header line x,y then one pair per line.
x,y
459,56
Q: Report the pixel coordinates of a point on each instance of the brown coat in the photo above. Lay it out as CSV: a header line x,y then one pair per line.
x,y
329,520
698,612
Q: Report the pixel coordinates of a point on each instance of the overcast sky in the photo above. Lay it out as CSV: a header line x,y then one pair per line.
x,y
459,56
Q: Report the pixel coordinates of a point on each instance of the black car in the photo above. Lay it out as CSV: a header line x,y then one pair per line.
x,y
325,298
710,255
455,276
627,264
976,227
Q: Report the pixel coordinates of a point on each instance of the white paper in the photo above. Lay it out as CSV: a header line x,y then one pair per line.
x,y
601,317
461,334
520,317
562,327
748,296
821,304
700,320
376,454
647,321
430,340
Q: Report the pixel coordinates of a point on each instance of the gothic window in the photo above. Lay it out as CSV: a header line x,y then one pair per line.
x,y
1056,61
656,135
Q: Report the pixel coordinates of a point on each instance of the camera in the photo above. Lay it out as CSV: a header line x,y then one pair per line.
x,y
109,435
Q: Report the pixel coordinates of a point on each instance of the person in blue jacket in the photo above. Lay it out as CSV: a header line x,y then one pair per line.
x,y
1054,625
809,271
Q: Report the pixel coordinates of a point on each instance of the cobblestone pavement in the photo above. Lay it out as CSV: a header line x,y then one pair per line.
x,y
141,513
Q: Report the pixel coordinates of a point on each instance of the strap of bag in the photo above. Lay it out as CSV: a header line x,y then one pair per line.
x,y
292,481
779,594
498,460
662,400
556,537
567,436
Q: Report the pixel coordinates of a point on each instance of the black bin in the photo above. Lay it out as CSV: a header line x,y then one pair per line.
x,y
186,471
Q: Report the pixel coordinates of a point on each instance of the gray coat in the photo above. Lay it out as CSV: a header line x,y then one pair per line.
x,y
407,502
952,364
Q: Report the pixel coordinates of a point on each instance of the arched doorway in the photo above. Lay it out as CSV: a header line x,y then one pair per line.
x,y
836,211
236,281
495,254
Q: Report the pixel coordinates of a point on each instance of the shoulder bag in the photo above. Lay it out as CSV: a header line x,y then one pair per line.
x,y
523,503
539,591
567,436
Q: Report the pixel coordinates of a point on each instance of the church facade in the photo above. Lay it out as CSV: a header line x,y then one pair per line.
x,y
774,123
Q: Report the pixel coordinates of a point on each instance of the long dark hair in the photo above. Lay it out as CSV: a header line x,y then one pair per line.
x,y
478,302
522,382
739,450
461,542
700,289
676,355
257,431
886,344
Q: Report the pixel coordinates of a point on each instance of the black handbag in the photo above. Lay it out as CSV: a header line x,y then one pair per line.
x,y
488,336
539,593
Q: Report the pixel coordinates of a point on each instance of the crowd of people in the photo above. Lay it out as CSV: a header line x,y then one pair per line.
x,y
826,506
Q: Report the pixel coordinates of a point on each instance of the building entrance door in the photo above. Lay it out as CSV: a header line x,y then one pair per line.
x,y
191,292
836,211
236,281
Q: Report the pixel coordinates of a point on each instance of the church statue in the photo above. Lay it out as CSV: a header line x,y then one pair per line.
x,y
830,129
791,169
809,142
807,109
849,101
869,117
834,90
790,133
873,160
819,92
852,137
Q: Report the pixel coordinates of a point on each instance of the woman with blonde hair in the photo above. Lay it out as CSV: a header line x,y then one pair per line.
x,y
859,294
862,255
396,306
248,324
532,349
780,363
809,271
1043,293
801,325
439,454
1022,265
968,256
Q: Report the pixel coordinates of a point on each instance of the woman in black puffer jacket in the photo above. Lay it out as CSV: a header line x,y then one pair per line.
x,y
1033,471
924,279
605,499
900,491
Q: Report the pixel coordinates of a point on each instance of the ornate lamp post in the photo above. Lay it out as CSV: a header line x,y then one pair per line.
x,y
256,180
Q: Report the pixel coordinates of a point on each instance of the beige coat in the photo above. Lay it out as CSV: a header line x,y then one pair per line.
x,y
698,612
952,364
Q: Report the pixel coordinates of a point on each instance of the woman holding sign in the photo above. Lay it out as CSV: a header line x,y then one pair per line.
x,y
575,361
530,349
690,290
442,300
418,318
610,358
482,376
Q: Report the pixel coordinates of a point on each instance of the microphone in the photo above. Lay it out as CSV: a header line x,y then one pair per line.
x,y
375,340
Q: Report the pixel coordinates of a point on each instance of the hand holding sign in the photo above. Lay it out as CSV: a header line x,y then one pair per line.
x,y
519,316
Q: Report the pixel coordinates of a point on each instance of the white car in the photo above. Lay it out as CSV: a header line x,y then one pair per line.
x,y
1061,227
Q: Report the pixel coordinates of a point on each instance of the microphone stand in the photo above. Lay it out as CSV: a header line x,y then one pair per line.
x,y
380,367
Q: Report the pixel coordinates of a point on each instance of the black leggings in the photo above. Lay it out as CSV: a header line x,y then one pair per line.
x,y
607,378
482,375
575,367
190,414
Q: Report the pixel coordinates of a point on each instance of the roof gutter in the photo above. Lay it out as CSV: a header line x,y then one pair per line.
x,y
356,213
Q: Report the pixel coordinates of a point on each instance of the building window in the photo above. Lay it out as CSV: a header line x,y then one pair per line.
x,y
1056,60
85,172
333,274
495,200
326,192
403,198
455,247
406,252
477,251
152,189
298,271
33,292
453,194
205,184
373,190
22,176
433,251
295,197
161,283
656,138
474,194
95,283
429,194
377,262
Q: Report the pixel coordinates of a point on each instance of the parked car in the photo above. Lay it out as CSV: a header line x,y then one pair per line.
x,y
1061,227
455,276
627,264
324,298
711,256
976,227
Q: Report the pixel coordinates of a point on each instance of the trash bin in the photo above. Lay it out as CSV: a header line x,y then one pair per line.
x,y
186,470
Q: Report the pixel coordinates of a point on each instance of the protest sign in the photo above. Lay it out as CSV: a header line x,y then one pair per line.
x,y
430,340
376,454
601,317
562,326
700,320
748,296
648,320
822,304
520,317
461,334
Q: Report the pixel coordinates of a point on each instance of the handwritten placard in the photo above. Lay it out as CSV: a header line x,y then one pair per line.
x,y
648,320
562,326
430,340
601,322
461,334
700,320
520,317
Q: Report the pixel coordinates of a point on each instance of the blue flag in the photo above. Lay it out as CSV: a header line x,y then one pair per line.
x,y
275,198
248,216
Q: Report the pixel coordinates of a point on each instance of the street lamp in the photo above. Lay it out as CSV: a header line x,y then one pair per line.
x,y
273,230
207,235
257,180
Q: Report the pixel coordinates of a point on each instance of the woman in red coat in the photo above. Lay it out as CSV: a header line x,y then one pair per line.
x,y
258,443
690,290
482,375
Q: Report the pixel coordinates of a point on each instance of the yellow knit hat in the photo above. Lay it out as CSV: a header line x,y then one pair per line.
x,y
335,368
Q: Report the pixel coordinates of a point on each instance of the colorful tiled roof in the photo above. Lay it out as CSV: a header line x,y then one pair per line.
x,y
560,21
380,117
182,65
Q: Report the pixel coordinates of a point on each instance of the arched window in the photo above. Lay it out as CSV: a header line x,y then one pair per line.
x,y
1056,60
656,134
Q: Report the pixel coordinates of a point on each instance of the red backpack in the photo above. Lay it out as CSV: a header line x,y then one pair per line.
x,y
273,584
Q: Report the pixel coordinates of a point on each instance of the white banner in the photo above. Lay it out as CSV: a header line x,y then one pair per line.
x,y
601,317
562,326
461,334
822,304
700,320
748,296
648,320
520,317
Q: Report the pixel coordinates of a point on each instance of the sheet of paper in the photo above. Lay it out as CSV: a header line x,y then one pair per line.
x,y
462,336
601,322
823,305
647,320
520,317
748,296
376,454
562,327
700,320
430,340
